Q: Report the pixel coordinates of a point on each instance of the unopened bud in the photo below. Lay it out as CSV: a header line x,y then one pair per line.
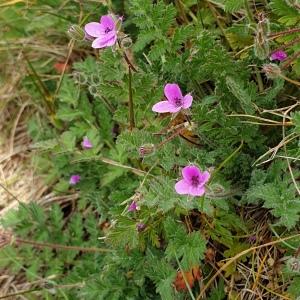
x,y
126,42
119,21
293,264
146,150
140,227
93,90
272,71
76,32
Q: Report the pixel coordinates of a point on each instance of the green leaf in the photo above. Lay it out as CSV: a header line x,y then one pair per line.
x,y
294,288
189,248
242,94
233,5
281,198
69,92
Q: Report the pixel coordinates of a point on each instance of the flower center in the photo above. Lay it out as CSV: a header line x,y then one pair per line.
x,y
178,102
107,30
195,181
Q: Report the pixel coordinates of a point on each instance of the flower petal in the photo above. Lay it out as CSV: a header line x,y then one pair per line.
x,y
108,22
278,55
190,171
105,41
172,91
182,187
199,191
204,177
94,29
187,101
163,107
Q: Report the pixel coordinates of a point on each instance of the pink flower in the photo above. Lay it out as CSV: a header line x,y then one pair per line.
x,y
105,32
193,182
74,179
278,55
175,101
133,206
86,143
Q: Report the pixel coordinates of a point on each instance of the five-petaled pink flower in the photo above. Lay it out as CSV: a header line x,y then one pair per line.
x,y
74,179
175,100
193,182
105,32
86,143
278,55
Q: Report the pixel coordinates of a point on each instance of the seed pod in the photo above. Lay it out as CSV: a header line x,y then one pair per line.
x,y
272,71
146,150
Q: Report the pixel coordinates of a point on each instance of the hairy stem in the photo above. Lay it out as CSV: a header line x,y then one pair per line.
x,y
60,247
249,11
130,100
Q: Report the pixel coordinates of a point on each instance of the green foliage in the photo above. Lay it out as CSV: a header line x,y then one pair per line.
x,y
279,195
205,47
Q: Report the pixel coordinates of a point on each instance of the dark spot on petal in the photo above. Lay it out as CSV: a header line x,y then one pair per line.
x,y
178,102
195,181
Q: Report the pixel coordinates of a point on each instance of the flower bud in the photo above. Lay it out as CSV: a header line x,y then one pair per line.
x,y
146,149
140,227
126,42
76,32
272,71
293,264
119,21
93,90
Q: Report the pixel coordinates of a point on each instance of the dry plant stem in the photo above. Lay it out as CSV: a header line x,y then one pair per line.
x,y
285,32
9,192
256,279
260,119
287,45
290,80
233,259
117,164
171,137
290,60
285,150
71,46
60,247
129,63
213,11
76,285
286,140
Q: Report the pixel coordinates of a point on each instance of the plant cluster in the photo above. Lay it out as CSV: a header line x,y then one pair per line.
x,y
176,124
